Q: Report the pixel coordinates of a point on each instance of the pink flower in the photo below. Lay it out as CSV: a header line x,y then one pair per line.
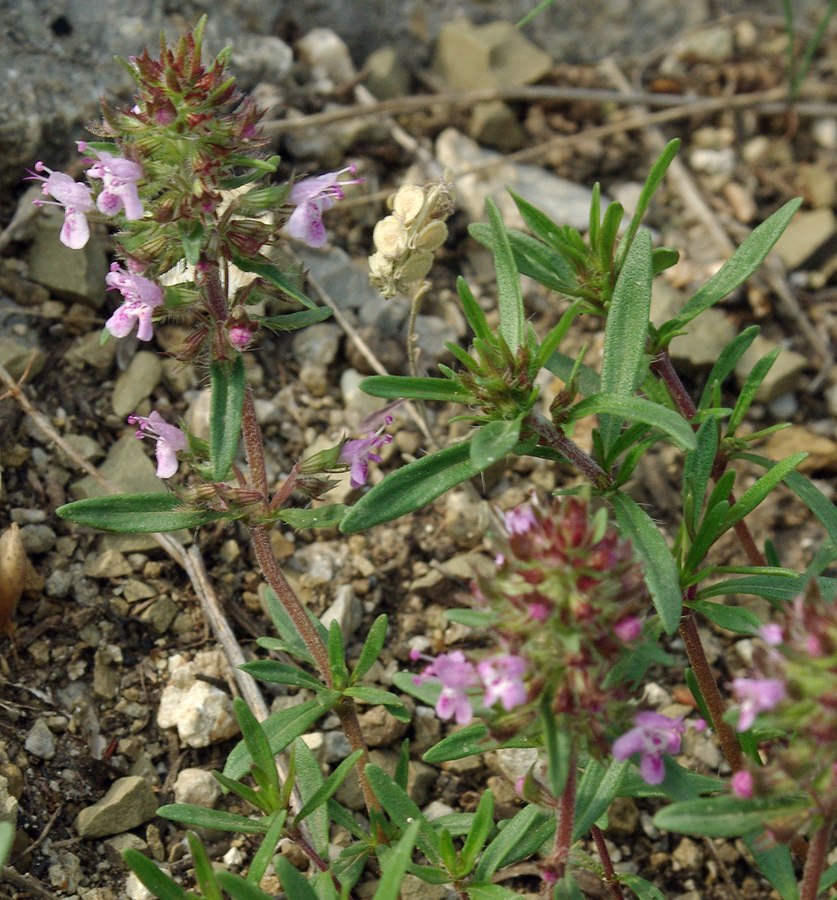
x,y
240,336
756,695
520,520
742,784
170,440
628,629
357,453
652,736
457,676
140,298
119,183
502,677
313,196
771,634
74,197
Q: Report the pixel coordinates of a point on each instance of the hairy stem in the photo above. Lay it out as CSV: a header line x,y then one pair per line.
x,y
709,690
556,439
412,337
607,865
815,861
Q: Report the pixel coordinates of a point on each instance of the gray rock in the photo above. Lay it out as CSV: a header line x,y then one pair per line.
x,y
128,465
129,802
15,355
562,200
381,728
160,614
261,58
137,382
196,786
386,76
806,233
118,844
347,611
8,803
88,350
336,747
40,741
495,124
326,56
37,538
317,344
64,870
108,564
75,275
483,56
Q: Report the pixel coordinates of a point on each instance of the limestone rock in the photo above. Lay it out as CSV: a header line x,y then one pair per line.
x,y
75,275
806,233
40,741
196,786
784,375
129,802
136,382
386,77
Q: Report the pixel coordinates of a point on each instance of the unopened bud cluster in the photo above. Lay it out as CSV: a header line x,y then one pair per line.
x,y
407,238
568,594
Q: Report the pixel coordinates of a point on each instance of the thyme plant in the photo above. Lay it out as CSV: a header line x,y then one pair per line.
x,y
585,588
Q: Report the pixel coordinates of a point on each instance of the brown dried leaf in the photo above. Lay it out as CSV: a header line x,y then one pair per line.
x,y
13,570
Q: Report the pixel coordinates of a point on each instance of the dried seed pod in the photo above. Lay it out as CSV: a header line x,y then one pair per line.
x,y
13,570
407,202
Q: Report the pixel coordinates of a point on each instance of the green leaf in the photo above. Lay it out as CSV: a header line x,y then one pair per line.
x,y
776,864
136,513
697,470
375,696
394,865
635,409
663,258
726,816
329,516
226,403
473,618
7,836
267,270
275,672
495,441
521,836
337,655
598,788
295,320
481,826
777,590
750,388
398,387
737,269
564,367
607,238
557,740
474,315
281,728
191,239
241,889
372,647
468,741
294,883
401,809
626,331
652,182
411,487
642,888
509,294
313,794
660,567
733,618
488,891
157,882
711,528
328,787
201,817
727,360
204,873
754,495
259,749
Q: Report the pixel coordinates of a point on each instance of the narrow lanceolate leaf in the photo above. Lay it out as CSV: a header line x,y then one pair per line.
x,y
636,409
401,809
738,268
154,878
395,865
494,441
136,513
523,834
509,293
474,314
726,816
697,469
626,331
258,746
660,567
328,516
411,487
294,883
403,387
296,320
227,401
200,817
754,495
271,273
372,647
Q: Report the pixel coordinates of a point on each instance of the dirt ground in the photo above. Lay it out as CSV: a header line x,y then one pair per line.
x,y
95,632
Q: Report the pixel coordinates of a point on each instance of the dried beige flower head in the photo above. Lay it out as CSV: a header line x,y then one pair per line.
x,y
406,239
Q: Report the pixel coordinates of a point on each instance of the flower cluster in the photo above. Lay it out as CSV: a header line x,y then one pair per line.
x,y
406,240
499,678
794,692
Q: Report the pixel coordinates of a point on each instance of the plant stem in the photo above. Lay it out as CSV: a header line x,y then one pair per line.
x,y
609,873
709,690
566,816
555,438
275,577
412,337
815,861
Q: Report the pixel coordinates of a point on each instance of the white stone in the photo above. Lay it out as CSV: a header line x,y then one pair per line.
x,y
196,786
202,714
